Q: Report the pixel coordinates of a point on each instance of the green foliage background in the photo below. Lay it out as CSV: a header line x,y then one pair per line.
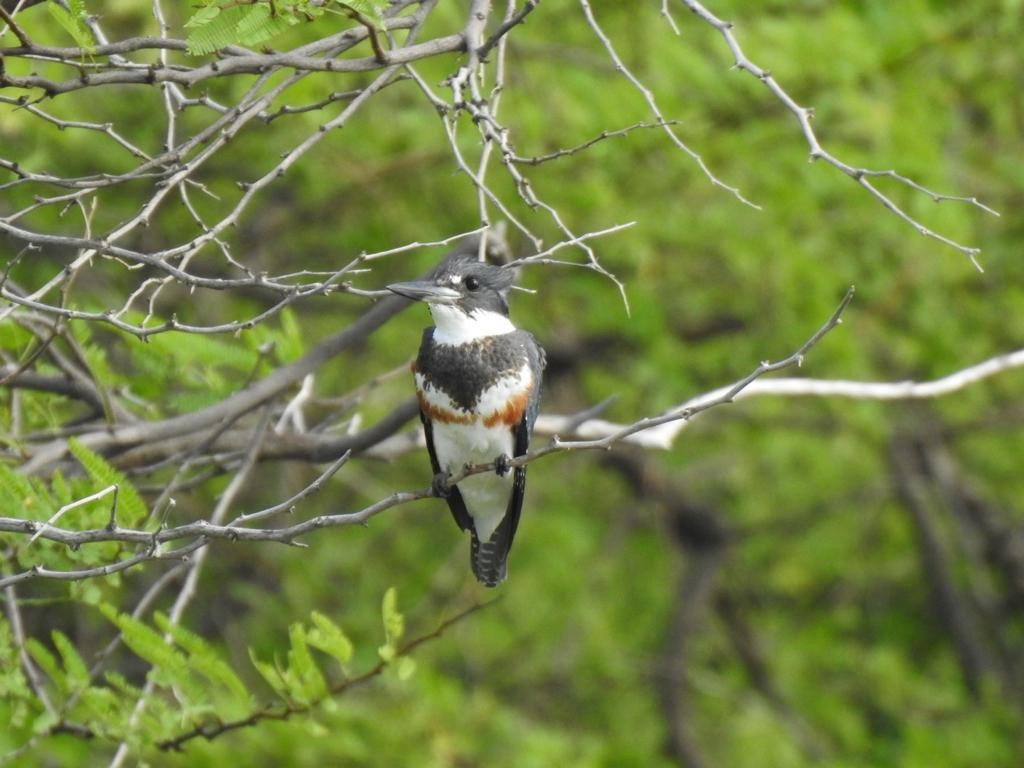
x,y
822,557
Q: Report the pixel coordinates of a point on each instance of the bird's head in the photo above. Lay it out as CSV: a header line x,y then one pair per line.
x,y
467,298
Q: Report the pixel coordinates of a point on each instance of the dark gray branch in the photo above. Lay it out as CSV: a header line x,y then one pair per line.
x,y
952,609
58,385
238,65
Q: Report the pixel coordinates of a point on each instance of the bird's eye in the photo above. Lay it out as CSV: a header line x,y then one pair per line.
x,y
471,283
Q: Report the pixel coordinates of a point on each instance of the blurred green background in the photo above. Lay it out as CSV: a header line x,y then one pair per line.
x,y
764,593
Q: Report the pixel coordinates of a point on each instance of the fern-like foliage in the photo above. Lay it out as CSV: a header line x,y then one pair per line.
x,y
25,497
131,509
217,24
72,19
213,28
194,691
33,499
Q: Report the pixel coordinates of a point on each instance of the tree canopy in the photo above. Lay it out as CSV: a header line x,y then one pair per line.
x,y
200,207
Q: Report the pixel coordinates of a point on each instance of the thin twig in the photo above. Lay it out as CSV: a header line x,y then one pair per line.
x,y
539,159
648,97
804,115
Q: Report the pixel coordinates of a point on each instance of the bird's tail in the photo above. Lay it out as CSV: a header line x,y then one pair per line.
x,y
489,560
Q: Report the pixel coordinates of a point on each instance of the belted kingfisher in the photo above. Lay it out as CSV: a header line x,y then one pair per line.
x,y
478,382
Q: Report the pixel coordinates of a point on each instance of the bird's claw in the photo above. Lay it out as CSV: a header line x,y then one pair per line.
x,y
501,465
439,485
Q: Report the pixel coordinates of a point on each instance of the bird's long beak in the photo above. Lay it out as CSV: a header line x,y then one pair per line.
x,y
425,290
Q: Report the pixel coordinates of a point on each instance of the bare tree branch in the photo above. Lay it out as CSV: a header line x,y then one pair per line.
x,y
803,115
693,592
953,610
664,434
648,97
32,674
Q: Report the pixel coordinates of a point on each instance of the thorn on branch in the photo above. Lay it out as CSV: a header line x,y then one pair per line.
x,y
112,524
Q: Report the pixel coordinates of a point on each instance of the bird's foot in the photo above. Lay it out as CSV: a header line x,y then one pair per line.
x,y
439,485
501,465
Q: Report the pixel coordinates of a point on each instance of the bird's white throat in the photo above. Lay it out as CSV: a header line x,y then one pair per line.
x,y
456,327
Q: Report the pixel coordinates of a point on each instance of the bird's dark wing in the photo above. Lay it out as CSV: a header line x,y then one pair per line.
x,y
454,499
538,361
521,438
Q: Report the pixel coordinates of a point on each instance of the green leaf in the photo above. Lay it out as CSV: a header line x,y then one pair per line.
x,y
394,622
47,662
145,641
17,492
202,17
329,638
44,722
89,591
292,341
405,668
13,685
119,683
194,351
245,24
96,359
270,673
15,339
73,22
212,31
202,657
170,668
394,626
311,684
105,707
260,25
77,671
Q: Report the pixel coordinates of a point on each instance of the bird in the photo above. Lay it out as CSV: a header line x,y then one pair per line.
x,y
478,382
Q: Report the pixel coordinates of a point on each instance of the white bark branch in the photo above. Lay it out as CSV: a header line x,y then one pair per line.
x,y
664,435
